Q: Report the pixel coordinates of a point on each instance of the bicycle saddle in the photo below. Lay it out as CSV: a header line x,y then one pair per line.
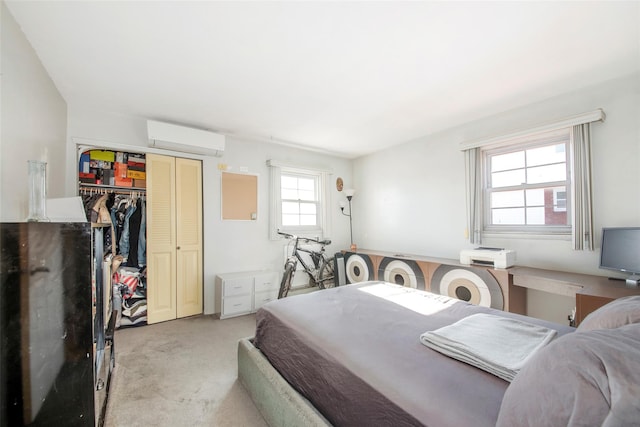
x,y
325,242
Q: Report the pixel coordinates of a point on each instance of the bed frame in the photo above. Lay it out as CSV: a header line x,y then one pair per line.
x,y
277,401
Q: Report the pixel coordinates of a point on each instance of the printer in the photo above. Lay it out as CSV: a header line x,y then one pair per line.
x,y
494,257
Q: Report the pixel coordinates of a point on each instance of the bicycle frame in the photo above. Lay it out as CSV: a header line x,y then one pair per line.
x,y
315,256
320,273
318,257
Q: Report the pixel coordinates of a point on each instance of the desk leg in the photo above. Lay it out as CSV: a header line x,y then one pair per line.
x,y
586,304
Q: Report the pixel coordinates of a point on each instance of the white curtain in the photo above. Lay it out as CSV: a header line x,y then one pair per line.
x,y
582,222
473,158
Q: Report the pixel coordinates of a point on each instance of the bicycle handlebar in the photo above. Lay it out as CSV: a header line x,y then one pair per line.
x,y
306,239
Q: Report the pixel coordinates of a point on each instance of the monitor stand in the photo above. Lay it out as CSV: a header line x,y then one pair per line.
x,y
633,281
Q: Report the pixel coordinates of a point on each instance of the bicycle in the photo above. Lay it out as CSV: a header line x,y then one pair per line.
x,y
321,272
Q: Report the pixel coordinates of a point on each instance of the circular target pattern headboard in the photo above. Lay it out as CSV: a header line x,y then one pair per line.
x,y
474,285
401,272
359,268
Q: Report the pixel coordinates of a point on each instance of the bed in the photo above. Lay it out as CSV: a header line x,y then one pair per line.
x,y
353,356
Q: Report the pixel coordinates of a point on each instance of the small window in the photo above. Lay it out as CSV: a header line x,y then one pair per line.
x,y
298,201
527,185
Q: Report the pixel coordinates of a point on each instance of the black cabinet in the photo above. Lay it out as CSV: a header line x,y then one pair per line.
x,y
56,342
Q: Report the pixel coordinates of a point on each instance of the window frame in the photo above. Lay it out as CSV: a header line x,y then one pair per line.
x,y
522,144
298,229
556,199
323,226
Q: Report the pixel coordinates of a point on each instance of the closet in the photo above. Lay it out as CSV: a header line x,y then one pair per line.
x,y
155,204
125,247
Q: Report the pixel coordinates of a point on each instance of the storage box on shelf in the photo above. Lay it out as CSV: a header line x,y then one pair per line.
x,y
112,169
245,292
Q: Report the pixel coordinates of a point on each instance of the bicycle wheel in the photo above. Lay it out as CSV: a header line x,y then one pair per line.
x,y
326,279
287,277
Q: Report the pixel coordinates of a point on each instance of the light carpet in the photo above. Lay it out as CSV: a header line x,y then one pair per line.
x,y
181,373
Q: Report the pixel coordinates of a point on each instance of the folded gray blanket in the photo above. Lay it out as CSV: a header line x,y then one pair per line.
x,y
498,345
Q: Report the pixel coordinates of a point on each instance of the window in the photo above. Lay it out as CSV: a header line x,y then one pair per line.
x,y
526,185
535,180
560,199
298,201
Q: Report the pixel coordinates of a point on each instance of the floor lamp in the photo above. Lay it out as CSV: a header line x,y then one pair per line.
x,y
349,193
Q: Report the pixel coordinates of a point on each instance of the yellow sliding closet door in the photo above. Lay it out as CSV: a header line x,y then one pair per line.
x,y
161,238
189,234
174,238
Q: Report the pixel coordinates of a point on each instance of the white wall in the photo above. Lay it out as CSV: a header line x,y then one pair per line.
x,y
229,246
33,117
34,122
411,198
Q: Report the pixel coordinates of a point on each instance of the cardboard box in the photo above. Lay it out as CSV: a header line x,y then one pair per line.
x,y
108,156
140,183
136,166
136,174
84,163
120,170
87,178
123,182
108,177
137,158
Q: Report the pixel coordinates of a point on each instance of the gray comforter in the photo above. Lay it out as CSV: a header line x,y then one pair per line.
x,y
355,353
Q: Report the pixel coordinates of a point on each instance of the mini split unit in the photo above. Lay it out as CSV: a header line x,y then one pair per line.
x,y
184,139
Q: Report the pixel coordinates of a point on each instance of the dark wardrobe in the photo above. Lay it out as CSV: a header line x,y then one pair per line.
x,y
56,342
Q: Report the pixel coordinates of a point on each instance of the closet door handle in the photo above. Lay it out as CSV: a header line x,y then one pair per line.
x,y
178,247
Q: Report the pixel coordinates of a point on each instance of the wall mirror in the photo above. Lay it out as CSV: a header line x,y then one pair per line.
x,y
239,196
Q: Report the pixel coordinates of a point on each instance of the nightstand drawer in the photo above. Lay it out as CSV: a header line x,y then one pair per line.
x,y
236,305
266,282
261,298
240,286
244,292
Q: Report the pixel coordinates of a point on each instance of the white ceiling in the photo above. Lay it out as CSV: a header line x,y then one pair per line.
x,y
346,77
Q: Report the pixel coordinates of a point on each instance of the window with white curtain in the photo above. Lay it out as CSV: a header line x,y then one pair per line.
x,y
535,180
298,202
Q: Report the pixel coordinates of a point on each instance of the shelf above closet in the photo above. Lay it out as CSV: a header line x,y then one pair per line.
x,y
82,185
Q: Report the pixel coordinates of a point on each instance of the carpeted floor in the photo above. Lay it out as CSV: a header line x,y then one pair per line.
x,y
181,373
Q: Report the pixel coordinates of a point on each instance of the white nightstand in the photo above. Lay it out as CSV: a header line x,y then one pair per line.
x,y
245,292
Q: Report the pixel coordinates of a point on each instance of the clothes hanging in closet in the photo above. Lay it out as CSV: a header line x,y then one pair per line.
x,y
130,278
129,218
127,215
97,208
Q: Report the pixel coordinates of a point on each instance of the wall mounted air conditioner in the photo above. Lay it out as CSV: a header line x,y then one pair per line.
x,y
184,139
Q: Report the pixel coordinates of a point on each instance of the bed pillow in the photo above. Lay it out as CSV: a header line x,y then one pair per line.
x,y
579,379
619,312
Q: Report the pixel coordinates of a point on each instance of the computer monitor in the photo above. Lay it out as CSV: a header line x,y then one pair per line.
x,y
620,251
